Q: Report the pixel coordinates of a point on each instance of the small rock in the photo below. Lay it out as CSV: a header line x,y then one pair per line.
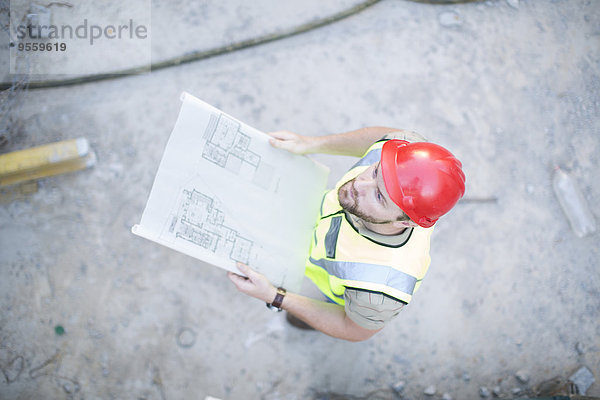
x,y
522,376
186,338
579,348
513,3
71,387
497,391
583,379
515,391
450,19
530,188
67,387
484,392
399,386
429,390
466,377
446,396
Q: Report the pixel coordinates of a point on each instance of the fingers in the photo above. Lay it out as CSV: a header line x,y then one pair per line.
x,y
244,269
282,135
278,144
249,273
288,145
255,284
235,278
241,282
284,140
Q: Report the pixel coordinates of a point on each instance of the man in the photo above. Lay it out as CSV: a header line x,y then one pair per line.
x,y
371,243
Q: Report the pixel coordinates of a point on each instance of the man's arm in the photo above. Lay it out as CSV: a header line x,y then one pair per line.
x,y
328,318
351,143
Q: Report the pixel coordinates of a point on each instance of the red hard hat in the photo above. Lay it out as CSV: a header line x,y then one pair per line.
x,y
424,179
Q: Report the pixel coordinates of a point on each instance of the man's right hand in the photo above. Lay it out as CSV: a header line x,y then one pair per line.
x,y
294,143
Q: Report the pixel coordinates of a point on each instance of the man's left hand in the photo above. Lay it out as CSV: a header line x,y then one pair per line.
x,y
253,284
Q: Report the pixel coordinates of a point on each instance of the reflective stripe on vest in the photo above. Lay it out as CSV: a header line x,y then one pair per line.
x,y
332,236
370,158
369,273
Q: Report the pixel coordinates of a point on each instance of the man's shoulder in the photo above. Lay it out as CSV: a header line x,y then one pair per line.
x,y
409,136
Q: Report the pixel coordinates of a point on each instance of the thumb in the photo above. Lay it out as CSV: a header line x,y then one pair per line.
x,y
244,269
282,135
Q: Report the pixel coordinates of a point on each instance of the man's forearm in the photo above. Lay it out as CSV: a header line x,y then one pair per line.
x,y
328,318
351,143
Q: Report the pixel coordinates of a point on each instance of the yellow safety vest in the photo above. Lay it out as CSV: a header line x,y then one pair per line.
x,y
341,257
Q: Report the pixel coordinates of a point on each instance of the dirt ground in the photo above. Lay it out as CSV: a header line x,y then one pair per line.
x,y
511,87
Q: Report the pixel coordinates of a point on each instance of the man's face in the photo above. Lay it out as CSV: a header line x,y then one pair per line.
x,y
366,197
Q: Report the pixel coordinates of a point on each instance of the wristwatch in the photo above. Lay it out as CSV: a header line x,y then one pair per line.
x,y
276,304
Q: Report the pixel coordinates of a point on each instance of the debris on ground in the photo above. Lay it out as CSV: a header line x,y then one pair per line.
x,y
582,379
398,387
429,390
484,392
522,376
450,19
497,391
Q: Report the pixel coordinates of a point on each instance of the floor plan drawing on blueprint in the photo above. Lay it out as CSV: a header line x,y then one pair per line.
x,y
228,147
223,195
201,222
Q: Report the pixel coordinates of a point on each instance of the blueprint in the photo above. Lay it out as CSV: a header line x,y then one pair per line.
x,y
223,195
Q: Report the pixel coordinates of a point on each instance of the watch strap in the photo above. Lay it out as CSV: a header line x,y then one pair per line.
x,y
276,303
279,297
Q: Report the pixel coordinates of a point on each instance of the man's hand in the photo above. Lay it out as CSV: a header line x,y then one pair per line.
x,y
253,284
293,142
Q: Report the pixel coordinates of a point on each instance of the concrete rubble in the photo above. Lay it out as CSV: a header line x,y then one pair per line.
x,y
522,376
429,390
583,379
484,392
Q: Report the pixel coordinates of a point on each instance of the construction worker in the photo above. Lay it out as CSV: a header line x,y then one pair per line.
x,y
371,243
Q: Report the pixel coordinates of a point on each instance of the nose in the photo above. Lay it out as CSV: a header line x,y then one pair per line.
x,y
362,185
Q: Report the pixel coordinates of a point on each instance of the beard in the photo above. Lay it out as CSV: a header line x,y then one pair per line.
x,y
348,199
